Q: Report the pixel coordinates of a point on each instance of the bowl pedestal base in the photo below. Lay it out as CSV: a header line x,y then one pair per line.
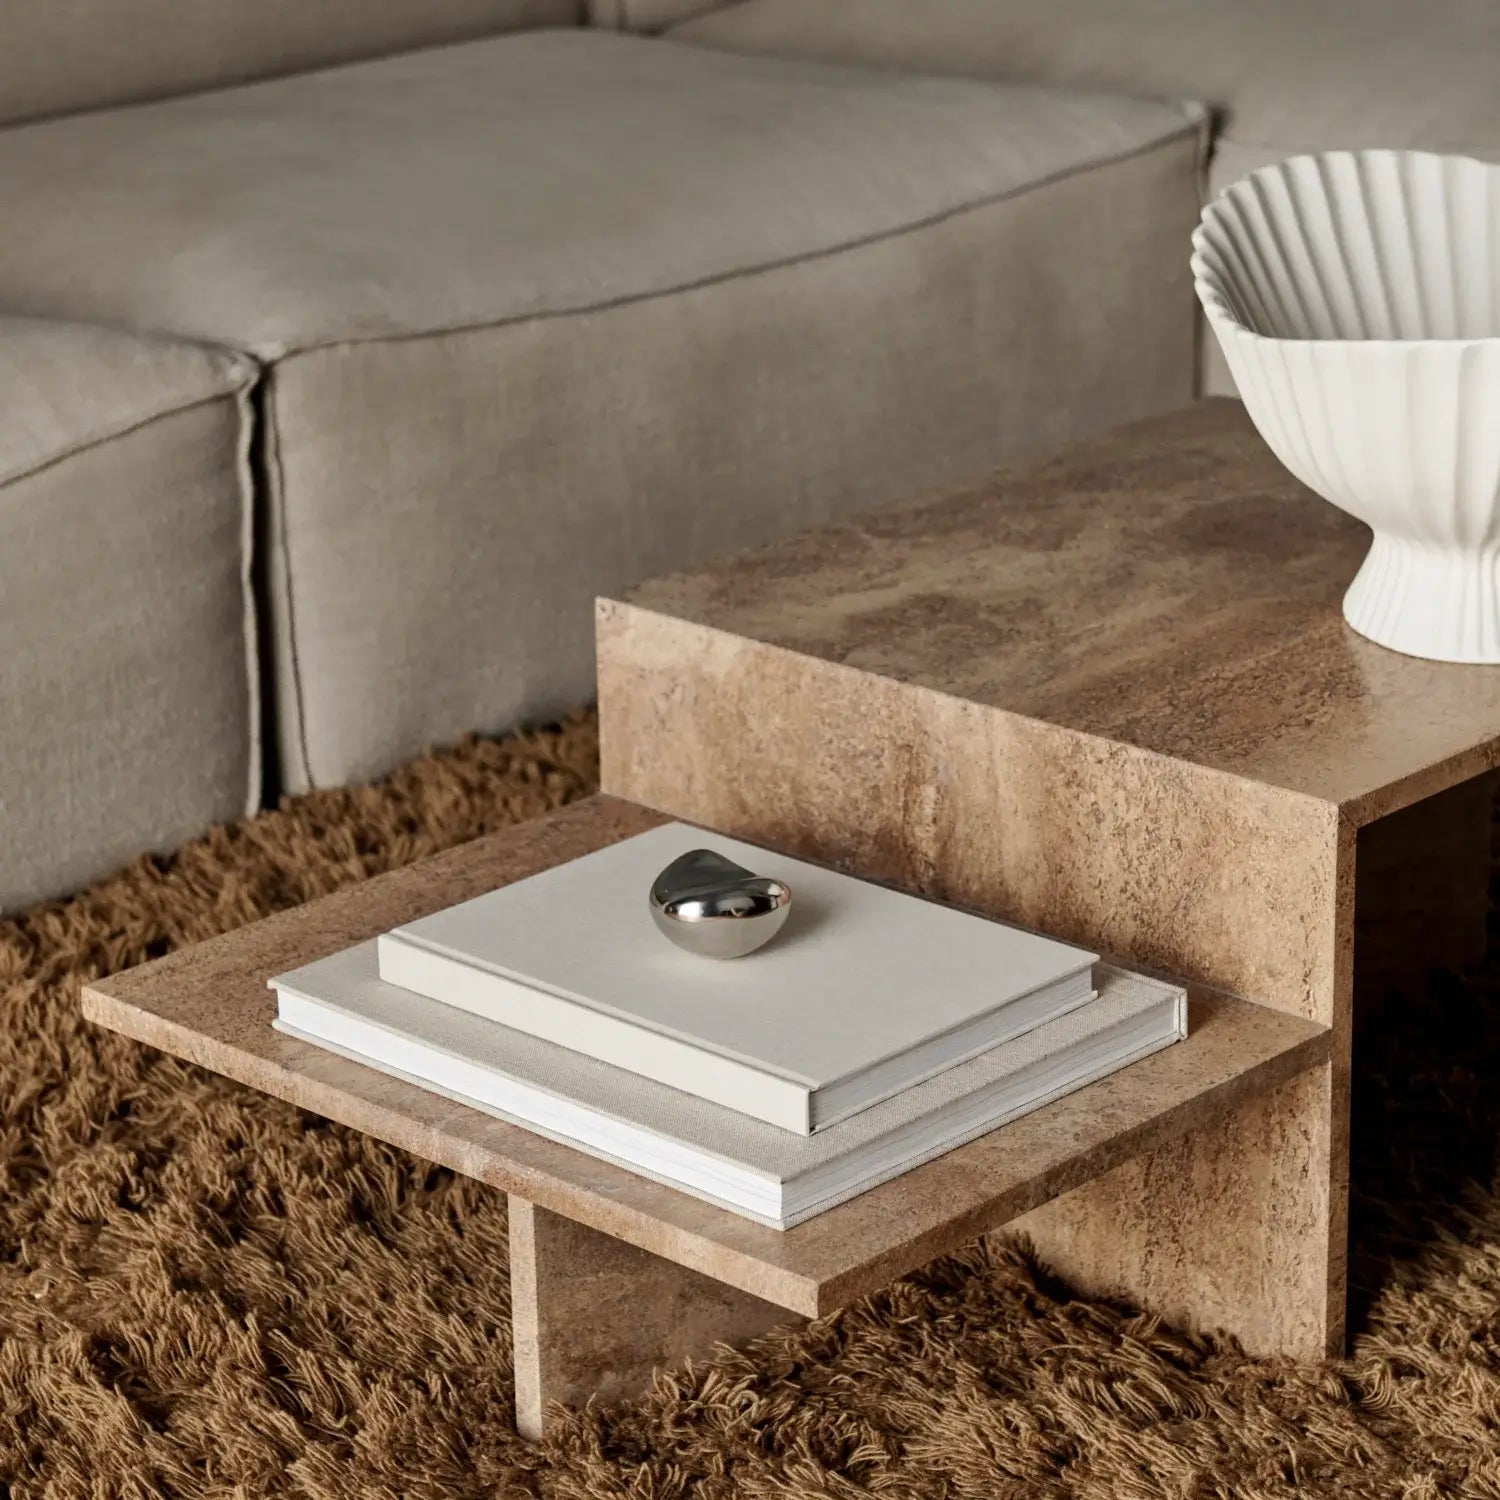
x,y
1438,602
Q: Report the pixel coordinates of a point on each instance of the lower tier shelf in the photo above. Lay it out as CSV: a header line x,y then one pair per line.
x,y
210,1005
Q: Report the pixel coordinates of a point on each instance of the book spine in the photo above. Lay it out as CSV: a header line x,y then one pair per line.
x,y
608,1039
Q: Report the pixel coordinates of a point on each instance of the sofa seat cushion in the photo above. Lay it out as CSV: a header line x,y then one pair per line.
x,y
129,701
552,313
519,177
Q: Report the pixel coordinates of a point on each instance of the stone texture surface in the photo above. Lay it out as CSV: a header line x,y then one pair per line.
x,y
1168,586
1111,696
1157,859
1164,863
593,1316
1240,1229
210,1004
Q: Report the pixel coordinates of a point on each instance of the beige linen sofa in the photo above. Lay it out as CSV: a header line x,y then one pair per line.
x,y
346,352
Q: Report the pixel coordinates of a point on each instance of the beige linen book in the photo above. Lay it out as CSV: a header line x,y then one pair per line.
x,y
744,1164
865,992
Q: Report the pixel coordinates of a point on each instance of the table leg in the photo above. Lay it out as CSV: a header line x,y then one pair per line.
x,y
1239,1228
1242,1228
593,1316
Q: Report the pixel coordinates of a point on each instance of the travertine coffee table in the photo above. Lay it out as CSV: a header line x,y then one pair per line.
x,y
1111,696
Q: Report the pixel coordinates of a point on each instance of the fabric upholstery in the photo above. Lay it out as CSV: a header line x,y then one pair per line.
x,y
1282,76
511,178
126,677
532,351
58,56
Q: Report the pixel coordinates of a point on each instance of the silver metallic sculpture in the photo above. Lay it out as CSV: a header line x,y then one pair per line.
x,y
711,906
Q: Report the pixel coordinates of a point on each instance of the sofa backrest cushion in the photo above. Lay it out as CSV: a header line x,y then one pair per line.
x,y
61,56
1282,76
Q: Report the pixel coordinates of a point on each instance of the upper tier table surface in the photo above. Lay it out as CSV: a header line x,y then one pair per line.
x,y
1168,585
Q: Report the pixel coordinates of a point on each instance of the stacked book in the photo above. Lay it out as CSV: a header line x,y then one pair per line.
x,y
875,1032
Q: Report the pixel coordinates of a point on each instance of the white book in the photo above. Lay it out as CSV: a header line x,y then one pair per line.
x,y
758,1170
865,992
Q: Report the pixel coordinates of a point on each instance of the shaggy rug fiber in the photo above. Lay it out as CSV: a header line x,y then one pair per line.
x,y
204,1292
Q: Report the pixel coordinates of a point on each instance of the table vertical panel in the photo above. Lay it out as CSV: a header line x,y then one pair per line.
x,y
1152,859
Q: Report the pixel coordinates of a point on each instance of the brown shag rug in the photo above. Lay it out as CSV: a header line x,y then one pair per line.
x,y
205,1292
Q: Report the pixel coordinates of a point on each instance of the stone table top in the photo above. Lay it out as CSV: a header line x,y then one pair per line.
x,y
1168,585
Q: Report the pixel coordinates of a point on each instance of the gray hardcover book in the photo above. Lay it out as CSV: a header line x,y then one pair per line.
x,y
739,1162
866,991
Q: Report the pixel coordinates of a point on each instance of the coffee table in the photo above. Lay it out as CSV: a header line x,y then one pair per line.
x,y
1110,695
837,697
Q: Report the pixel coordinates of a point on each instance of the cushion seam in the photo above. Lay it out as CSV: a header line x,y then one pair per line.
x,y
230,393
249,624
1190,128
281,531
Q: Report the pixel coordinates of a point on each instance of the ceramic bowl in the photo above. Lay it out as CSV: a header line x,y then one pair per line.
x,y
1356,295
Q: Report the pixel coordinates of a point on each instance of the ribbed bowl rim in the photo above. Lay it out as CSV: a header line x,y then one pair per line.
x,y
1210,291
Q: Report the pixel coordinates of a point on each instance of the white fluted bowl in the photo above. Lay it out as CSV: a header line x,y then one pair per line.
x,y
1356,295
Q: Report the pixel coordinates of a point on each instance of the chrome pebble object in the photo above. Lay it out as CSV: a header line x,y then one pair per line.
x,y
715,908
